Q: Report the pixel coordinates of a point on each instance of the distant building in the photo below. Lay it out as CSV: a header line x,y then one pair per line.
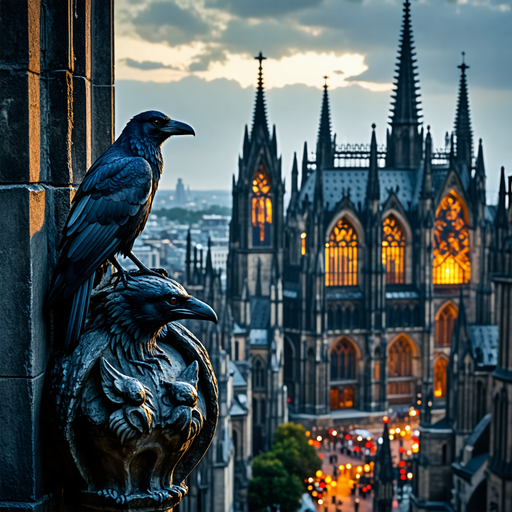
x,y
180,196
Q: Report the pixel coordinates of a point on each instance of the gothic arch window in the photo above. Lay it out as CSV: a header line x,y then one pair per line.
x,y
376,364
341,255
399,371
440,366
445,320
400,358
258,375
393,251
451,243
343,360
261,208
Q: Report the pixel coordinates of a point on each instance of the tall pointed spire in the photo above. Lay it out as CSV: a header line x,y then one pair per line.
x,y
478,182
260,112
463,130
246,142
295,175
501,220
188,260
304,165
426,186
406,105
209,263
372,185
324,153
405,144
384,491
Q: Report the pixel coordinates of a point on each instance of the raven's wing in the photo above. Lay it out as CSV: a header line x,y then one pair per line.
x,y
108,205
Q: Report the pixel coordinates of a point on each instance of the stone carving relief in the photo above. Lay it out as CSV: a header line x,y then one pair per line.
x,y
134,406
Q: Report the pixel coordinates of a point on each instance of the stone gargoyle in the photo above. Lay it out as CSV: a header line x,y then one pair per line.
x,y
134,407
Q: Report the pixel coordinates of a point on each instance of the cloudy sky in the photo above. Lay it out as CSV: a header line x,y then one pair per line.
x,y
194,60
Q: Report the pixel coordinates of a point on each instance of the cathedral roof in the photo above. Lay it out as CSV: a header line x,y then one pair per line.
x,y
340,182
238,379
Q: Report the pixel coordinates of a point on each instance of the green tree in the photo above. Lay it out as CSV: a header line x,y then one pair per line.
x,y
291,446
271,485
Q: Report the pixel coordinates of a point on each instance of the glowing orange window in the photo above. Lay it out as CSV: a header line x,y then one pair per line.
x,y
393,251
445,319
451,243
261,208
440,366
341,255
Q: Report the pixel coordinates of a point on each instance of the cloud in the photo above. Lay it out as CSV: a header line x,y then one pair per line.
x,y
202,61
262,8
166,21
146,65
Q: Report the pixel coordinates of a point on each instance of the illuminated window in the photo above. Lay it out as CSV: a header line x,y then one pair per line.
x,y
261,208
400,358
451,243
341,256
342,398
303,243
440,365
445,320
343,356
393,251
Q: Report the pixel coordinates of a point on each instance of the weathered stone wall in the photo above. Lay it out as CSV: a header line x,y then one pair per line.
x,y
56,117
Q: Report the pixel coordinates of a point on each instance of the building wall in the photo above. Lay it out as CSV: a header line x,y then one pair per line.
x,y
56,82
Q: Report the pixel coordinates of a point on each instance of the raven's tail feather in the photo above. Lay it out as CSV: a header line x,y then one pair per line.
x,y
78,314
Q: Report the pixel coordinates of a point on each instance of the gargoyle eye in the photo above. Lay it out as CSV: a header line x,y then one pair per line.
x,y
173,301
157,122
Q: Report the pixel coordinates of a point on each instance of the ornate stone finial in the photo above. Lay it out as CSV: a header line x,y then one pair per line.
x,y
374,126
463,66
135,406
325,77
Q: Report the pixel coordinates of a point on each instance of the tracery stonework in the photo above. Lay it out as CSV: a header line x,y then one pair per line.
x,y
261,207
341,255
451,243
393,251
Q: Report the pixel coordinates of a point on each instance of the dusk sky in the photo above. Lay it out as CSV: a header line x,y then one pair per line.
x,y
194,60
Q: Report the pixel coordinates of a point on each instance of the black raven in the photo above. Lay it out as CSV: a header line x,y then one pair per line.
x,y
109,211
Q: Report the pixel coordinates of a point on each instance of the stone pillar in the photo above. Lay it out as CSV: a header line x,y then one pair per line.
x,y
56,117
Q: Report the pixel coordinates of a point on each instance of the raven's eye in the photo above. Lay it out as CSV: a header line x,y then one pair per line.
x,y
173,301
157,122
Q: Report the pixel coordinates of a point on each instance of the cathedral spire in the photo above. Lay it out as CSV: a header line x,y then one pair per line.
x,y
384,492
463,130
188,260
246,142
372,185
426,186
405,144
295,176
209,264
479,179
406,105
304,165
324,154
260,112
501,220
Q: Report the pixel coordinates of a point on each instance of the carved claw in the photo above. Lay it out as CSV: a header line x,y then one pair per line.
x,y
178,491
113,495
156,362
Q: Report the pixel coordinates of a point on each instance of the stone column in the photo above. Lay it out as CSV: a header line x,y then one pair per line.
x,y
56,117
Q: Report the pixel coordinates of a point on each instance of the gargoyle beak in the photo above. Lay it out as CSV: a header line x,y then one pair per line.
x,y
196,309
174,127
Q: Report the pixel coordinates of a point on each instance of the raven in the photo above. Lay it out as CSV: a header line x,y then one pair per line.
x,y
109,211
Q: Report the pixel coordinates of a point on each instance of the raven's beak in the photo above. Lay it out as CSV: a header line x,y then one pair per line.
x,y
196,309
174,127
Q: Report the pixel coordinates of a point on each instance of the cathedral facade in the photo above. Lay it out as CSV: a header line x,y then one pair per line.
x,y
348,300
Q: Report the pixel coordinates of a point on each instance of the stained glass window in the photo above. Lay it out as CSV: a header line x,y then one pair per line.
x,y
343,356
451,243
393,251
341,256
445,320
440,365
261,208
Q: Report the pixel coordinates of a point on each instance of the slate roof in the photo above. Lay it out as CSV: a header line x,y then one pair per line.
x,y
336,183
238,379
484,344
260,312
258,337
